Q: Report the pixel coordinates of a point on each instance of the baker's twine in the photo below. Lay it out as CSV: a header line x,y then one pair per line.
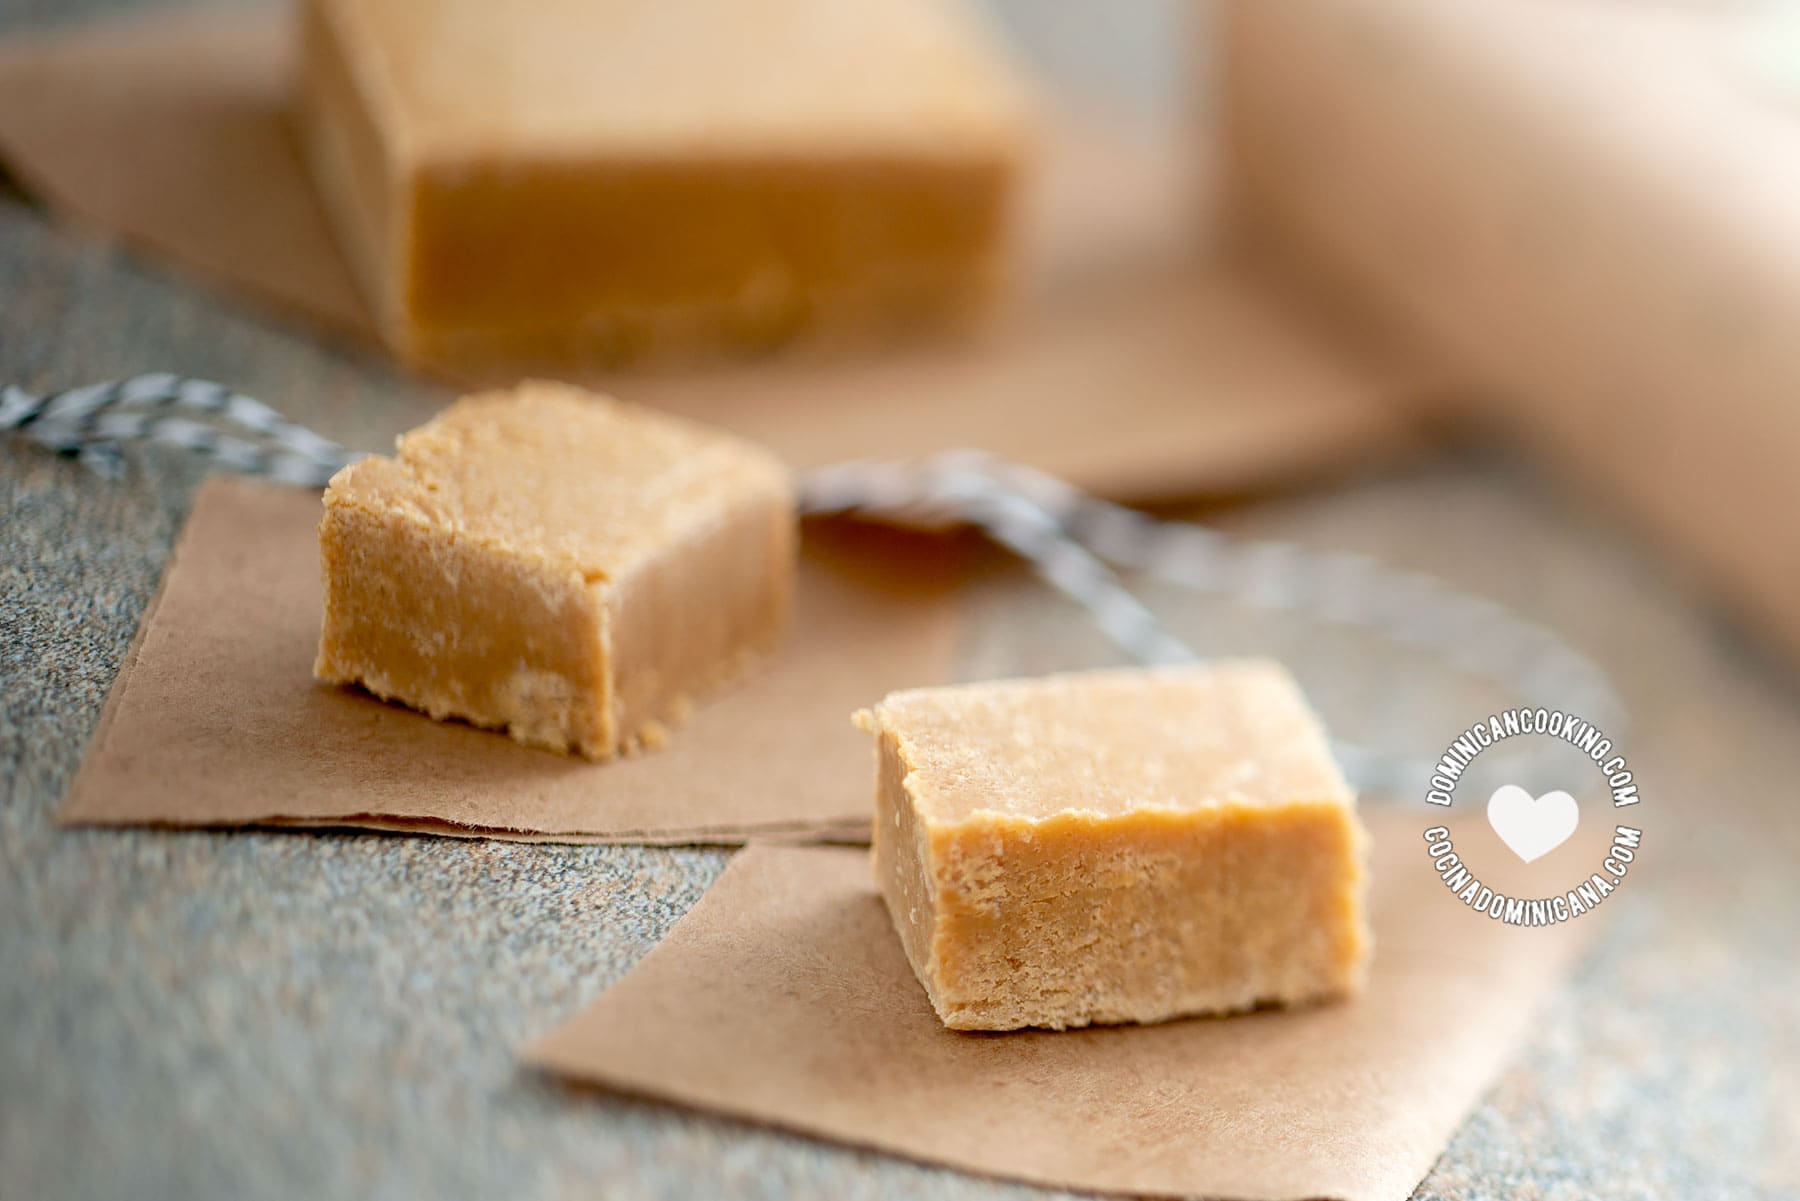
x,y
1072,540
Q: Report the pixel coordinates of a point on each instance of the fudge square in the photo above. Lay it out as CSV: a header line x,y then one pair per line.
x,y
555,564
1117,846
591,181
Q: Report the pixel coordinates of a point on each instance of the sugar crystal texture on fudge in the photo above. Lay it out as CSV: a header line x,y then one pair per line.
x,y
1117,846
556,564
568,181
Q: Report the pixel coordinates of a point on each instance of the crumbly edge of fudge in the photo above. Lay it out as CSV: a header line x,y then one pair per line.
x,y
1281,894
602,728
375,598
944,884
674,637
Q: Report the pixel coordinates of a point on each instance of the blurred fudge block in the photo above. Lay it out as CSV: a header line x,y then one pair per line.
x,y
593,181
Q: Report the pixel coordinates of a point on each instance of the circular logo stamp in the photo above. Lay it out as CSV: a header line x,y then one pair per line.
x,y
1488,761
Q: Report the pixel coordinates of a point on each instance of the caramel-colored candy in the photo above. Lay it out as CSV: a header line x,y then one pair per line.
x,y
582,181
1118,846
555,564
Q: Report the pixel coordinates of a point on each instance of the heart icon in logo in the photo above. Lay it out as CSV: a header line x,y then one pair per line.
x,y
1532,826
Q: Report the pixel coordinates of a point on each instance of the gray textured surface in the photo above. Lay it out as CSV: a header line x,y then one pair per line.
x,y
250,1015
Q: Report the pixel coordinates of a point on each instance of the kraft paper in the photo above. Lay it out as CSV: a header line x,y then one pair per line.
x,y
784,998
216,720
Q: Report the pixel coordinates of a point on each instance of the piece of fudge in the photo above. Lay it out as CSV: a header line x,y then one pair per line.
x,y
589,181
555,564
1117,846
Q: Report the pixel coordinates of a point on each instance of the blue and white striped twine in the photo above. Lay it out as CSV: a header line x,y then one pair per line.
x,y
1072,540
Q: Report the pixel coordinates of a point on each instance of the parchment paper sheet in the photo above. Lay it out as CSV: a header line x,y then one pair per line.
x,y
1127,366
216,719
784,998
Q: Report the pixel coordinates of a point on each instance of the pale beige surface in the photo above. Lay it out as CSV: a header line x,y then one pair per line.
x,y
1590,210
1117,846
568,568
575,183
783,997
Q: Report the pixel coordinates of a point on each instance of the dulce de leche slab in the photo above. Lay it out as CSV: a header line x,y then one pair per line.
x,y
1118,846
591,180
555,564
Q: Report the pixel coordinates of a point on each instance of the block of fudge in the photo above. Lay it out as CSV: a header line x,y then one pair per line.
x,y
1117,846
555,564
591,181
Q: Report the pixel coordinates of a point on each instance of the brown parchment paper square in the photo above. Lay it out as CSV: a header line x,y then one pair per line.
x,y
216,720
1128,365
784,998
